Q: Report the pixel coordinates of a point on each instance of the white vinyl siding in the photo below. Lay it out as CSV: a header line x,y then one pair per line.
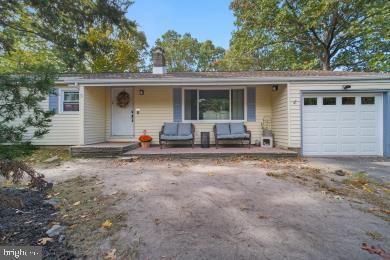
x,y
294,101
64,130
155,108
94,115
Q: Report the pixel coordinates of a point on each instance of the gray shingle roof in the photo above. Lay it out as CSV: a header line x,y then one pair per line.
x,y
236,74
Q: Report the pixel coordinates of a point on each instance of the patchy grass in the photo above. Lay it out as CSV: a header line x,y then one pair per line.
x,y
90,217
375,235
282,175
355,187
359,180
41,154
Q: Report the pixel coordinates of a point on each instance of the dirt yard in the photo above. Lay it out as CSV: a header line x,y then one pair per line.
x,y
219,209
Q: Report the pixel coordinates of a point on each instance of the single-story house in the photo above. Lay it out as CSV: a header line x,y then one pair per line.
x,y
315,112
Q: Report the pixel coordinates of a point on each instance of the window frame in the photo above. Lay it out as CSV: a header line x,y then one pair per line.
x,y
355,98
361,99
61,98
312,97
197,104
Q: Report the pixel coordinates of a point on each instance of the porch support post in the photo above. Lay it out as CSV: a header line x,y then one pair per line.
x,y
81,111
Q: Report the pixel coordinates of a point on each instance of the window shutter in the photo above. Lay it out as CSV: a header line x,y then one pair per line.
x,y
251,104
386,125
177,109
53,101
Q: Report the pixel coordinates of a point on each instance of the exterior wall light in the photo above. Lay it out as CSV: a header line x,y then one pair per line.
x,y
141,92
275,88
345,87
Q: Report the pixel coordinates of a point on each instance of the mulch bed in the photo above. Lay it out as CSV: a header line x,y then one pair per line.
x,y
27,225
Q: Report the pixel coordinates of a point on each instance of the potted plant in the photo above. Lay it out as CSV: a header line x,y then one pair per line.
x,y
266,126
145,140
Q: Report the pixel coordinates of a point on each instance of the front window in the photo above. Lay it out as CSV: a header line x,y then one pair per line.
x,y
70,101
217,104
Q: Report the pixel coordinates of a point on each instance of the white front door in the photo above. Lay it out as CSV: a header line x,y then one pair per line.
x,y
342,124
122,112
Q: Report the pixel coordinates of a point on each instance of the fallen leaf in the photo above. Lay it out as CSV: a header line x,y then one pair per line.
x,y
110,255
76,203
157,221
210,174
43,241
107,224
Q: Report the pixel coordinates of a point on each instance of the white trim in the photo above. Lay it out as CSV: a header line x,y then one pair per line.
x,y
213,88
288,116
82,116
61,100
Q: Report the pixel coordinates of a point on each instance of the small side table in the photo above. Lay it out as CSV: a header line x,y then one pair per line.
x,y
205,139
267,141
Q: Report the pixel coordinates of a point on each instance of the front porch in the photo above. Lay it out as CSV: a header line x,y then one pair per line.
x,y
222,152
129,149
103,120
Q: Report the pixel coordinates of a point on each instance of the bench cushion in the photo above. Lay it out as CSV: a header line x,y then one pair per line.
x,y
223,129
234,136
184,129
170,129
176,137
237,128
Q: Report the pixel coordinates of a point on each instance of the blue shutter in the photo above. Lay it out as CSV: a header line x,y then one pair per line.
x,y
177,115
251,104
53,101
386,123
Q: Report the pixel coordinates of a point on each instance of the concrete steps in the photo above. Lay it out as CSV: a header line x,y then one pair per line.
x,y
102,149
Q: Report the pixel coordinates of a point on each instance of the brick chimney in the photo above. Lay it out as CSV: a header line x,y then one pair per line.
x,y
158,61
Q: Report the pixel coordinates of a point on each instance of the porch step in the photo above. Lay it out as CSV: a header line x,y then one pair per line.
x,y
102,149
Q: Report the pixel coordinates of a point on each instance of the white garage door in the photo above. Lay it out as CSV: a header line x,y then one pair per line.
x,y
335,124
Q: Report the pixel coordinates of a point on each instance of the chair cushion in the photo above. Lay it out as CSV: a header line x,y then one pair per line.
x,y
237,128
170,128
184,129
223,129
176,138
234,136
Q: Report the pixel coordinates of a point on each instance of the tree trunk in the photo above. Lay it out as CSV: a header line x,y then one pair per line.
x,y
326,61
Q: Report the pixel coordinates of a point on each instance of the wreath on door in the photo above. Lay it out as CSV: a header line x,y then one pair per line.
x,y
123,99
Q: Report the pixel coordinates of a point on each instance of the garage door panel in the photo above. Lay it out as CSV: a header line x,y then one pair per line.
x,y
330,131
329,116
312,116
368,148
367,115
348,131
342,129
349,147
348,116
329,148
312,148
312,131
368,131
